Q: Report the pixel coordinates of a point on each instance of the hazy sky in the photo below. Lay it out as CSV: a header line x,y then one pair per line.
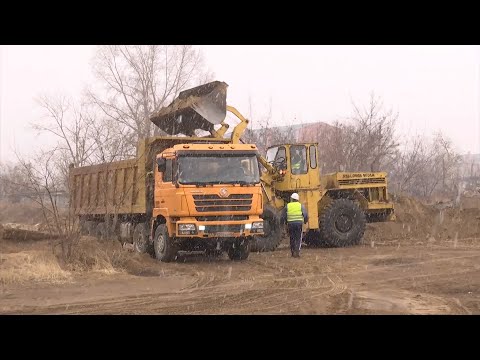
x,y
432,87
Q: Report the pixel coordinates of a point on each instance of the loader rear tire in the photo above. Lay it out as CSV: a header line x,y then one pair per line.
x,y
314,239
272,232
342,223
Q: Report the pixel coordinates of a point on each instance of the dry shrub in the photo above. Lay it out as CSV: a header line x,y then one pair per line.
x,y
90,254
40,266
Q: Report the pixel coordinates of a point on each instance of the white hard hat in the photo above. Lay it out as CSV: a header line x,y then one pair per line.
x,y
295,196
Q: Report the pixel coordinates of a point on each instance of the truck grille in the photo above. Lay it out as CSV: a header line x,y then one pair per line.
x,y
235,202
222,218
362,181
212,229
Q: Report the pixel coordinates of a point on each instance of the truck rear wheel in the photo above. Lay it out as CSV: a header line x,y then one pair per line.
x,y
101,231
342,223
239,250
165,249
272,229
140,239
83,227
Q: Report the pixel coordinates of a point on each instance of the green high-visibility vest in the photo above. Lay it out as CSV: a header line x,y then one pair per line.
x,y
294,212
296,166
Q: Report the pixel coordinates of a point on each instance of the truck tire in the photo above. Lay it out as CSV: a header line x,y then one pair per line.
x,y
342,223
101,231
272,232
91,228
140,239
83,227
165,249
239,250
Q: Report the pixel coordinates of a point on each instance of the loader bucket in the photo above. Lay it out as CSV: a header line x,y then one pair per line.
x,y
201,107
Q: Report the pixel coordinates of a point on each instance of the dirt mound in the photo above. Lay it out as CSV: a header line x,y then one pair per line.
x,y
418,222
31,266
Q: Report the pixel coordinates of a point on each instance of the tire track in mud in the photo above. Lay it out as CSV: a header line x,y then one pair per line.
x,y
289,286
234,298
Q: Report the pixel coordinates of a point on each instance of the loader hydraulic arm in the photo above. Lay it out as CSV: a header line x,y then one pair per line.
x,y
240,128
237,133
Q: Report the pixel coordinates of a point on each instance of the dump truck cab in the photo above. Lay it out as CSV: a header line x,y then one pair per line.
x,y
208,195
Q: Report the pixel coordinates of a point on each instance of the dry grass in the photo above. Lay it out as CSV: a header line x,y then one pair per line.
x,y
28,266
91,255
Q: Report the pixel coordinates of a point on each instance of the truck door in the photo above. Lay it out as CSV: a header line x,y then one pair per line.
x,y
165,189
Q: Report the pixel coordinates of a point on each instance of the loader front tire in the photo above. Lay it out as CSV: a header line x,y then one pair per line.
x,y
342,223
272,229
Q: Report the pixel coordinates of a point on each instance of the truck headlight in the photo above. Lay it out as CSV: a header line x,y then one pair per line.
x,y
257,225
187,229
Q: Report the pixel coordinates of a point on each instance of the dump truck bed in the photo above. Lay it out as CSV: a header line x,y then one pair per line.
x,y
120,187
117,187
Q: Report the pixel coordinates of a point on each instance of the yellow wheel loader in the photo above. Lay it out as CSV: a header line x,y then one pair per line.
x,y
339,204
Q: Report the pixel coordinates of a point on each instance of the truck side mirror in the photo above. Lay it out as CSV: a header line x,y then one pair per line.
x,y
162,164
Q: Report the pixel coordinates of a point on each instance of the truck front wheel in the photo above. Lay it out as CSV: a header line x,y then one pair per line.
x,y
239,250
165,249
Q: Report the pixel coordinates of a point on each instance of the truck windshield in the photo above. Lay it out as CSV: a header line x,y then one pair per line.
x,y
207,169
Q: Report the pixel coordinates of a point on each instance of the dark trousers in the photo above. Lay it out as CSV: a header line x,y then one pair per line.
x,y
295,232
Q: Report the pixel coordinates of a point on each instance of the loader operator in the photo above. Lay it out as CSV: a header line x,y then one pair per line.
x,y
296,215
298,165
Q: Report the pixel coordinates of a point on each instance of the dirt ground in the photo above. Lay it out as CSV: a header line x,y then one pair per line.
x,y
427,262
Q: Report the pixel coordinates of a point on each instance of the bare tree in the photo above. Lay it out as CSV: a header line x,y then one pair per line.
x,y
375,139
449,161
264,131
410,166
365,142
39,179
70,125
137,81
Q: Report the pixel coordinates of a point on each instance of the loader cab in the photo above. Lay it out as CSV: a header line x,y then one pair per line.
x,y
297,163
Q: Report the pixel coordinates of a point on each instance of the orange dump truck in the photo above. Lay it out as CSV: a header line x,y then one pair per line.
x,y
178,194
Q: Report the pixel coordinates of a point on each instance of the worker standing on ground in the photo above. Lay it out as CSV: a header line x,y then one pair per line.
x,y
296,215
